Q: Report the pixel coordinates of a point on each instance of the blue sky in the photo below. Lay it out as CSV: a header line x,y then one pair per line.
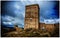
x,y
13,12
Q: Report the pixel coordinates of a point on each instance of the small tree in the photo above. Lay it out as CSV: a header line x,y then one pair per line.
x,y
16,27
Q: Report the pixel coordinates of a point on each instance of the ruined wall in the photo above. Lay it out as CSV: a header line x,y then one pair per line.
x,y
48,27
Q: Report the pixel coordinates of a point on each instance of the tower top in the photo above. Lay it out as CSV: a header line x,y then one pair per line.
x,y
32,5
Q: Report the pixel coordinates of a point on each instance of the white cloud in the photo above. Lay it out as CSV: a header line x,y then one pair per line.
x,y
41,19
8,18
13,21
7,23
59,20
51,21
17,21
17,6
23,13
28,2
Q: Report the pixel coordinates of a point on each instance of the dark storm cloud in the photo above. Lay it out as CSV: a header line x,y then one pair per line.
x,y
7,9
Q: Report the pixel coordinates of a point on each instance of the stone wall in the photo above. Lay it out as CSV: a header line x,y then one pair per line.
x,y
49,27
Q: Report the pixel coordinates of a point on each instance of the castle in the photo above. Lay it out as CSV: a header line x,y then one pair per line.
x,y
32,19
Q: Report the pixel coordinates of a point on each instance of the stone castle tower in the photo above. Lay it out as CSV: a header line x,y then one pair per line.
x,y
32,16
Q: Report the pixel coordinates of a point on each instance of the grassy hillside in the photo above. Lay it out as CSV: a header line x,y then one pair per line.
x,y
29,33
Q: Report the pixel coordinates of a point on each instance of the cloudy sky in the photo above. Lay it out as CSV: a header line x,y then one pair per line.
x,y
13,12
